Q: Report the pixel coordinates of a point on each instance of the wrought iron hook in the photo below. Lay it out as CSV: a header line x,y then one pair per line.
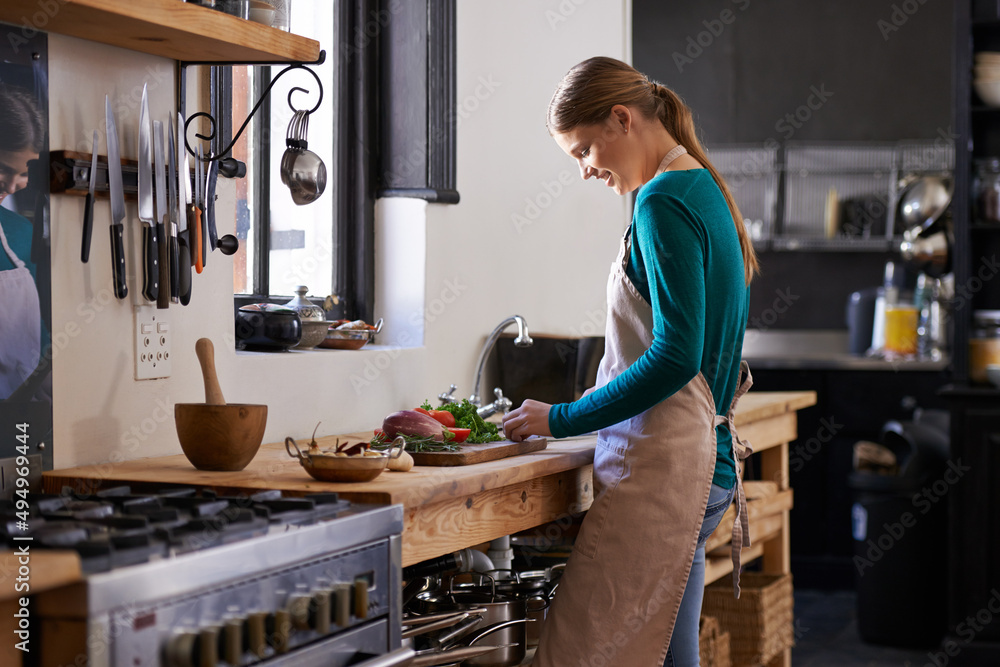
x,y
211,135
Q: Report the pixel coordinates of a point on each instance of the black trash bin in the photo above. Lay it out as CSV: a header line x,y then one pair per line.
x,y
900,527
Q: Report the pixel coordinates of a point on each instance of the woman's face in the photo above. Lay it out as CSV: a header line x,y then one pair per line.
x,y
14,170
603,151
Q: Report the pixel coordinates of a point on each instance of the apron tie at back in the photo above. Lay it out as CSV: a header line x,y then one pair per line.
x,y
741,451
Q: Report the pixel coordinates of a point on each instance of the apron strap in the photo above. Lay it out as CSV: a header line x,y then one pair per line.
x,y
741,451
15,260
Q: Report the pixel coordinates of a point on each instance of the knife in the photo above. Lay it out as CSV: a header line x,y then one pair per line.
x,y
184,215
162,217
203,188
117,202
88,206
199,245
173,206
150,255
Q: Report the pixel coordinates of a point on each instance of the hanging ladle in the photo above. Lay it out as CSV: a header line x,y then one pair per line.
x,y
301,170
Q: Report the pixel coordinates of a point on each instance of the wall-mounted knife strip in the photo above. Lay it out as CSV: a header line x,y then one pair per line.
x,y
69,173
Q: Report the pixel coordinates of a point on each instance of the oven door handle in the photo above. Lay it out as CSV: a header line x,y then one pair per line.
x,y
398,658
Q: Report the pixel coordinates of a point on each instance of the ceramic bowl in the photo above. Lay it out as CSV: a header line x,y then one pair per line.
x,y
261,13
313,333
988,91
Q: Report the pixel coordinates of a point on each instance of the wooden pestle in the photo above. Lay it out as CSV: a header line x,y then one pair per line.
x,y
206,357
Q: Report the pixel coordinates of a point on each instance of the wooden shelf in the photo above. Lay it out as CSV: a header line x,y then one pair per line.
x,y
169,28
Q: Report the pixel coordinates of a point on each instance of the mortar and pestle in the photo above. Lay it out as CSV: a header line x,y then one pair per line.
x,y
216,435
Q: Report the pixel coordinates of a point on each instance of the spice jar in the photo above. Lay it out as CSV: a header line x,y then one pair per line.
x,y
987,191
314,324
984,344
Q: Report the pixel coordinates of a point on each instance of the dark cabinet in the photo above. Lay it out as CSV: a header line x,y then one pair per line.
x,y
973,499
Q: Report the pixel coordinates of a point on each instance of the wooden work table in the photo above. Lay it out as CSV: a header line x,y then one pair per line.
x,y
450,508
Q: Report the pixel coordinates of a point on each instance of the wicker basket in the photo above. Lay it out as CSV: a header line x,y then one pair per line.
x,y
713,644
760,622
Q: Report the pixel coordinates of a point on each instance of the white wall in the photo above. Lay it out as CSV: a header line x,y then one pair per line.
x,y
446,274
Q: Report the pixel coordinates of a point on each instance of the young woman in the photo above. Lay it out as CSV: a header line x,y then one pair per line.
x,y
665,468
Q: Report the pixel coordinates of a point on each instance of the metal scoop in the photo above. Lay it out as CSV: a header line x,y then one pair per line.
x,y
301,170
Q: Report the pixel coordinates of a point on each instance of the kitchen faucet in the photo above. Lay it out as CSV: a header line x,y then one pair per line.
x,y
501,404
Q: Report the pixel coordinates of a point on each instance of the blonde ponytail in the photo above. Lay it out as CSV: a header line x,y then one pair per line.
x,y
589,90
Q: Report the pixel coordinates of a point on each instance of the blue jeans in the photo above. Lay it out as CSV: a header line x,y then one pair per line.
x,y
683,651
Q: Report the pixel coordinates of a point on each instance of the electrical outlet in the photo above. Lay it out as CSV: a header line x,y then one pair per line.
x,y
152,343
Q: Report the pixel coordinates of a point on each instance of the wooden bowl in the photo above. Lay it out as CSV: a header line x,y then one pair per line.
x,y
220,437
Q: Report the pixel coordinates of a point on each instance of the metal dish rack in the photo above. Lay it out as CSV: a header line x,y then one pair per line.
x,y
832,196
751,172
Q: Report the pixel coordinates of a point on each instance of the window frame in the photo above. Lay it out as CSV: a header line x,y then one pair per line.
x,y
378,86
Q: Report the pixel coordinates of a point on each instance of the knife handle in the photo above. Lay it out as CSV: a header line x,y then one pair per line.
x,y
175,267
184,259
88,227
199,264
163,250
150,264
118,261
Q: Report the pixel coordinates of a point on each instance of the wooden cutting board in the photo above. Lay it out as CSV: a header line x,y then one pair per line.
x,y
469,454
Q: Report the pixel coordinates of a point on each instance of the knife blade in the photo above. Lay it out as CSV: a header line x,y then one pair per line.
x,y
117,202
205,248
88,206
173,206
199,245
150,255
184,215
213,233
162,217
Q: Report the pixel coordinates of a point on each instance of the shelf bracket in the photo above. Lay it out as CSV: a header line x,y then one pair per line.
x,y
221,155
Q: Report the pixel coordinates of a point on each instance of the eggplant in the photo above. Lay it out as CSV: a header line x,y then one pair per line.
x,y
411,422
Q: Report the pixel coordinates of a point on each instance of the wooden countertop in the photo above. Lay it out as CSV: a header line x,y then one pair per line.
x,y
273,468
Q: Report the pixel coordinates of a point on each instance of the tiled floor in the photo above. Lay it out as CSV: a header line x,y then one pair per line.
x,y
827,635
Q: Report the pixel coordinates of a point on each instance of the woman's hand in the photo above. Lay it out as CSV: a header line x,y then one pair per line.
x,y
532,418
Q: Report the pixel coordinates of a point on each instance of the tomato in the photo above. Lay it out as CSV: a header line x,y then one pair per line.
x,y
422,411
461,434
444,417
379,433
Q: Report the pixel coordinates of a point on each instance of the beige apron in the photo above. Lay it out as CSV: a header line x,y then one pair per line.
x,y
619,596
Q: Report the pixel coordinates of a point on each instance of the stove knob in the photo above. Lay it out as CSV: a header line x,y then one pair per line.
x,y
298,610
208,647
257,633
321,604
282,630
341,599
232,636
179,650
361,598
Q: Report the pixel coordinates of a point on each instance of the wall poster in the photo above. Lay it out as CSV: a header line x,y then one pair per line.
x,y
25,267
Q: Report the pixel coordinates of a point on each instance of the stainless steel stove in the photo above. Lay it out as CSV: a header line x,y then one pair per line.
x,y
185,578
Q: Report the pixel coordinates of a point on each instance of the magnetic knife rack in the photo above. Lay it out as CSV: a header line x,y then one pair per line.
x,y
69,173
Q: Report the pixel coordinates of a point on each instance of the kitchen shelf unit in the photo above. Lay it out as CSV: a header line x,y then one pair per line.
x,y
169,28
973,504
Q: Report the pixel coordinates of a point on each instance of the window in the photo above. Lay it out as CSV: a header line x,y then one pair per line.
x,y
328,245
